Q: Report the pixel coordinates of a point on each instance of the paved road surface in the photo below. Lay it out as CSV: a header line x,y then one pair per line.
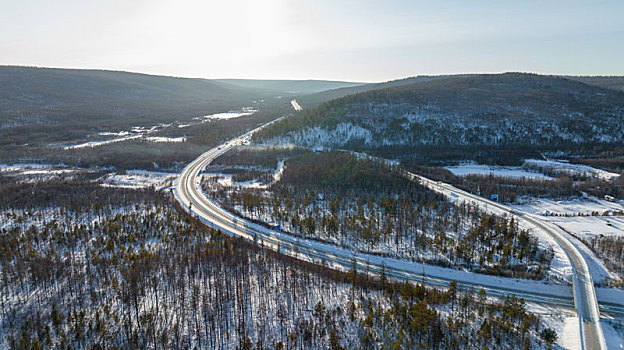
x,y
189,194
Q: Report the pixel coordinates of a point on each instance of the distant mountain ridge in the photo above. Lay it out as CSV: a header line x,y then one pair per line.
x,y
32,96
609,82
299,87
51,96
463,117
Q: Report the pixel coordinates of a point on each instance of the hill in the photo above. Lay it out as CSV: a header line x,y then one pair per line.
x,y
314,99
289,87
610,82
43,109
45,96
496,118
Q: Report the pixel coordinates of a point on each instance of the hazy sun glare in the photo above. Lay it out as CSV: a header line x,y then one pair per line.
x,y
347,39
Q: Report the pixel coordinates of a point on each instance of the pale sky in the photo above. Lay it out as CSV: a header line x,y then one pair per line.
x,y
356,40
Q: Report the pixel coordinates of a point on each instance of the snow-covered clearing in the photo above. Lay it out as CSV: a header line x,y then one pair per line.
x,y
26,166
576,206
226,180
563,320
141,179
92,144
38,172
532,169
220,116
560,166
574,216
166,139
139,133
502,171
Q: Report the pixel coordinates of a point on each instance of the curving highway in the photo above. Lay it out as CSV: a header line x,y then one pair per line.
x,y
585,300
190,195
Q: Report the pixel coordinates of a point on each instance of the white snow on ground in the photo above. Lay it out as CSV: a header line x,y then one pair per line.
x,y
225,180
587,227
613,331
560,268
582,206
25,166
92,144
548,166
140,179
219,116
341,134
228,115
571,169
563,320
137,133
166,139
503,171
582,227
37,172
108,133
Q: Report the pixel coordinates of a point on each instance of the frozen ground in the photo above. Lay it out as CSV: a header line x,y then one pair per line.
x,y
5,168
227,115
613,330
563,320
141,179
144,133
532,169
575,217
225,180
502,171
560,166
577,206
37,172
560,268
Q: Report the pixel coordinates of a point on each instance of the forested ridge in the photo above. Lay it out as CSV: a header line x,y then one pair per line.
x,y
490,118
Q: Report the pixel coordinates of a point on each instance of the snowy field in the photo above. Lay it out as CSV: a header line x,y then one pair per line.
x,y
560,166
577,206
38,172
140,135
566,323
563,320
532,169
502,171
225,180
575,217
220,116
141,179
144,133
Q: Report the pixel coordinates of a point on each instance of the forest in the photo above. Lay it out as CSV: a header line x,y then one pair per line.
x,y
511,189
369,206
128,269
490,119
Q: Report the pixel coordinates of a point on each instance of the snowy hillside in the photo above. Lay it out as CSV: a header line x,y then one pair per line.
x,y
520,112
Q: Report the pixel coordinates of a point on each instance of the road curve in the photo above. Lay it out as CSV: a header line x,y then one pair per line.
x,y
189,194
585,300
